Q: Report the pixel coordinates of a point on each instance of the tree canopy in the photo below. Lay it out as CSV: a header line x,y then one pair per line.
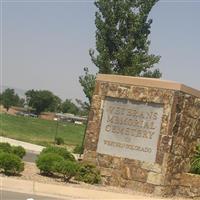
x,y
69,107
9,98
77,108
42,100
87,81
122,44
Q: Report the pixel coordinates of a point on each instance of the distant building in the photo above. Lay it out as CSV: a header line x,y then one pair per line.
x,y
15,110
47,115
68,117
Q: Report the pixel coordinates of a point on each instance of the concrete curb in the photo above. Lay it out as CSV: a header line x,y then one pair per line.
x,y
31,187
68,192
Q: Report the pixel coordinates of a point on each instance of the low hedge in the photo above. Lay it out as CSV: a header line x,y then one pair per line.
x,y
10,163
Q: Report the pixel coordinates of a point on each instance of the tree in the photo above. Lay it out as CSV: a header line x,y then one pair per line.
x,y
21,102
42,100
69,107
87,82
83,107
122,42
0,98
55,106
9,98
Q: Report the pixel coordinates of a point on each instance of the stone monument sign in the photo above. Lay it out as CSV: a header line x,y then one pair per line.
x,y
142,133
130,129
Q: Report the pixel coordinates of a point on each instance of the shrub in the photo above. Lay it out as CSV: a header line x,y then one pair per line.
x,y
59,140
19,151
47,162
78,149
195,164
10,163
68,169
60,151
88,174
5,147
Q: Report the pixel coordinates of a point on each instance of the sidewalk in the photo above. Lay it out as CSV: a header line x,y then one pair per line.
x,y
28,146
31,148
11,184
31,187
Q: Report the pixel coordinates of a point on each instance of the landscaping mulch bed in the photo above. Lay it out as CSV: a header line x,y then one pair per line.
x,y
32,173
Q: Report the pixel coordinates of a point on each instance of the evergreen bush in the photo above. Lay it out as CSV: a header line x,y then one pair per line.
x,y
5,147
19,151
63,152
88,173
59,140
47,163
67,169
78,149
10,163
195,164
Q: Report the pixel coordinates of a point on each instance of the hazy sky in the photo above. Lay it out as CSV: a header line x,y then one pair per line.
x,y
45,43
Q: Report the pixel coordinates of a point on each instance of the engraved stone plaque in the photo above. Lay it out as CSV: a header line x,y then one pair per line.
x,y
130,129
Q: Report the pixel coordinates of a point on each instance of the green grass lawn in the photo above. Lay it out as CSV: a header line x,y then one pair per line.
x,y
39,131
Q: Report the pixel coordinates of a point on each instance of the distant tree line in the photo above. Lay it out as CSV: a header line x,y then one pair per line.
x,y
42,101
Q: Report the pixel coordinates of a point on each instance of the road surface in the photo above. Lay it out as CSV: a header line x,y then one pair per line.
x,y
7,195
30,157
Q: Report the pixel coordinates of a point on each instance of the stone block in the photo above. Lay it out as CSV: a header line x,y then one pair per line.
x,y
155,178
104,160
106,172
162,191
96,102
134,173
139,93
153,167
141,187
190,180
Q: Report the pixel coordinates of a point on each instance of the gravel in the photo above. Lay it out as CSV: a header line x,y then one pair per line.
x,y
32,173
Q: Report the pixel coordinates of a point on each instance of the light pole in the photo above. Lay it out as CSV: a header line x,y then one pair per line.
x,y
56,133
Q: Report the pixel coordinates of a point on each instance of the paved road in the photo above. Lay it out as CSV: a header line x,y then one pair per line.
x,y
7,195
30,157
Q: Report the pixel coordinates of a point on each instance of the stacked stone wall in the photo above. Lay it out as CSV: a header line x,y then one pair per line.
x,y
179,134
186,136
